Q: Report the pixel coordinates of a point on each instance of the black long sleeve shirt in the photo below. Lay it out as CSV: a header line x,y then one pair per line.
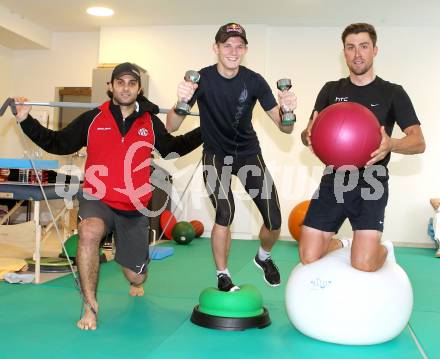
x,y
75,135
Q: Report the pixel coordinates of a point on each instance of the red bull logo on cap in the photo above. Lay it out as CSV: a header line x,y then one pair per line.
x,y
234,28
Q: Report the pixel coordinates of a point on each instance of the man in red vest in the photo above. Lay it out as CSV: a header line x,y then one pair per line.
x,y
120,136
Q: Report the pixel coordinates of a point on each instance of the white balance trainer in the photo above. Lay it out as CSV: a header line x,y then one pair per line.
x,y
329,300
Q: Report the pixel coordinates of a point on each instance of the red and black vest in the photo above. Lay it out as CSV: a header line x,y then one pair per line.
x,y
117,169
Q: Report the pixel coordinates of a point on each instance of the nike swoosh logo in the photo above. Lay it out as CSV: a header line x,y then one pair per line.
x,y
374,104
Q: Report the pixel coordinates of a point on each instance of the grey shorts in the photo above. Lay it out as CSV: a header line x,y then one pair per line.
x,y
130,233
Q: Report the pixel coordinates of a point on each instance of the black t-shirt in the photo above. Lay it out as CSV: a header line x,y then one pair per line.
x,y
389,102
226,106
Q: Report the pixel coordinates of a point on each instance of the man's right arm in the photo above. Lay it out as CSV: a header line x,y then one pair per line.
x,y
306,133
173,120
185,92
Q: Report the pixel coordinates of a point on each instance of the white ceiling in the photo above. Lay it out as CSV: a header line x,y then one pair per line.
x,y
70,15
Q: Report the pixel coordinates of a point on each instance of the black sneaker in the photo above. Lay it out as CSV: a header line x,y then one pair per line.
x,y
271,272
224,283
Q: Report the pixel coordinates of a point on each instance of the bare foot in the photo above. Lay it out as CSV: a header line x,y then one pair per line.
x,y
136,291
89,320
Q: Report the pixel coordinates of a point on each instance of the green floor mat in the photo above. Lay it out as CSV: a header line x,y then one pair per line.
x,y
426,326
40,319
423,270
279,340
8,288
43,322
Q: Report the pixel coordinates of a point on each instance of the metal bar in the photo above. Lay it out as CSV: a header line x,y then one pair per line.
x,y
5,105
70,105
61,104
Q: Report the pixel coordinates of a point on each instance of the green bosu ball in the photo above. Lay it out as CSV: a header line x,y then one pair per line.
x,y
71,245
183,232
239,310
246,302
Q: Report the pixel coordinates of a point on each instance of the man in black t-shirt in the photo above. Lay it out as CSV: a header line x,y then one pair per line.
x,y
226,96
365,205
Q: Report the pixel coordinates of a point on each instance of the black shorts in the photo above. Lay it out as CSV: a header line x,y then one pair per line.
x,y
256,180
327,210
130,233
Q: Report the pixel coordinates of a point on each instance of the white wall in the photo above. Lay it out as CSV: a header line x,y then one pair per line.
x,y
69,62
5,83
36,73
310,56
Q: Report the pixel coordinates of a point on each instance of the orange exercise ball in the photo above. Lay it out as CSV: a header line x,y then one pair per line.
x,y
296,218
198,227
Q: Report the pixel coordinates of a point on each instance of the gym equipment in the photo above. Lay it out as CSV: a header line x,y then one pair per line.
x,y
71,246
198,227
157,253
183,232
171,217
35,193
182,107
329,300
239,310
19,278
288,118
296,218
10,102
50,265
345,133
160,200
167,222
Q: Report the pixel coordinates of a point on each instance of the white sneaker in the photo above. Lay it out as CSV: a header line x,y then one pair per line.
x,y
390,248
346,242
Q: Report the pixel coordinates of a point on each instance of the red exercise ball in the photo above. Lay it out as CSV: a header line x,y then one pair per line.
x,y
296,218
345,133
167,222
198,227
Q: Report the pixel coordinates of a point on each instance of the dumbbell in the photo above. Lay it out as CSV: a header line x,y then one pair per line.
x,y
182,107
287,116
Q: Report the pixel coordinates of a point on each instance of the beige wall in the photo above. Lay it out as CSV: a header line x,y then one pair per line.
x,y
5,86
5,70
310,56
36,74
69,62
